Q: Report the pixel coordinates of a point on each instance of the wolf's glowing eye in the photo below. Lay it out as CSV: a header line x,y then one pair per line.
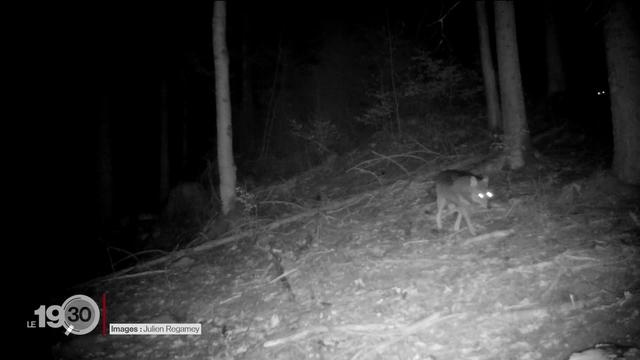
x,y
489,194
481,196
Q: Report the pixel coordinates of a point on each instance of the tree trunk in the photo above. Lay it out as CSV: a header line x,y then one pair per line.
x,y
164,143
623,62
555,71
226,167
488,72
512,99
556,84
105,193
272,105
184,124
392,78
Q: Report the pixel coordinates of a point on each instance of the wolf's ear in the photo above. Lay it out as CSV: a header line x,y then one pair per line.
x,y
473,181
485,180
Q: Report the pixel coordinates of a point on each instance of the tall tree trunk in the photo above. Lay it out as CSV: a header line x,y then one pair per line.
x,y
512,99
184,124
272,105
556,84
226,167
392,78
105,191
488,72
164,142
555,72
623,61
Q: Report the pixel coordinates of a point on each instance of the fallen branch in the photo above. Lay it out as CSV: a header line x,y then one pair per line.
x,y
278,202
492,235
397,332
403,332
297,336
276,224
140,274
390,158
381,157
219,242
367,172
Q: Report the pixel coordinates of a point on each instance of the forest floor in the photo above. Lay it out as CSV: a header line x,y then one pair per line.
x,y
364,274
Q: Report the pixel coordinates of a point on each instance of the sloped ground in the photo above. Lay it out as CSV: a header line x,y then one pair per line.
x,y
555,269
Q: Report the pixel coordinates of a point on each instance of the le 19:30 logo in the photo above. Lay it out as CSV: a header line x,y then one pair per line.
x,y
79,315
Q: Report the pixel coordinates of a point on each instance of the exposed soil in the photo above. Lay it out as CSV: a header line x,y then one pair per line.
x,y
554,269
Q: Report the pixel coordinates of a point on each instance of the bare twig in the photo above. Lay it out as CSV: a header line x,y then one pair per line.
x,y
397,333
403,332
134,255
554,283
367,172
513,204
492,235
444,16
297,336
219,242
426,150
285,274
389,158
136,275
440,21
278,202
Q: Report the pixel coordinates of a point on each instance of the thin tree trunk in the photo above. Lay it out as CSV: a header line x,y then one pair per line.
x,y
488,72
396,104
271,107
105,193
226,167
184,125
556,84
555,71
164,143
623,62
512,98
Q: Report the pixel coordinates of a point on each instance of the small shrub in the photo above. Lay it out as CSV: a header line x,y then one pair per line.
x,y
321,134
248,201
